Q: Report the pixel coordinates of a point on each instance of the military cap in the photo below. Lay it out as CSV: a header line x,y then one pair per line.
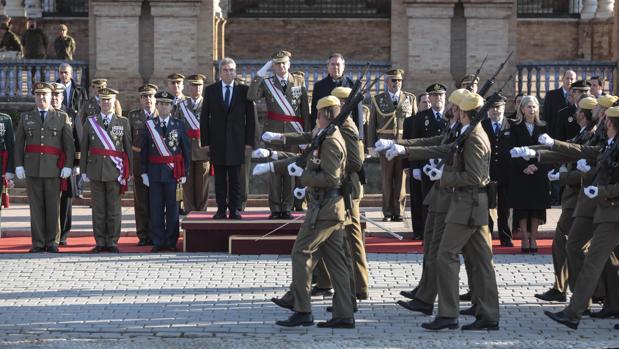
x,y
98,82
329,101
57,87
164,97
469,79
395,74
612,112
499,101
581,85
196,79
341,92
607,101
107,93
471,102
42,87
587,103
175,77
281,56
436,88
148,89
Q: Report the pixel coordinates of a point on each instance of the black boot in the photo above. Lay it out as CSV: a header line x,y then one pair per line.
x,y
440,323
563,319
297,319
417,305
552,295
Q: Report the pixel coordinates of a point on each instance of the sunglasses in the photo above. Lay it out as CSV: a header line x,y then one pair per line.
x,y
396,80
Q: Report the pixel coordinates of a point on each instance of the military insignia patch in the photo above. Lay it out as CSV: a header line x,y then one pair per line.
x,y
570,119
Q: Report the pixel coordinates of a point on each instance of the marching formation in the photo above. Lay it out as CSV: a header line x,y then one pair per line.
x,y
469,166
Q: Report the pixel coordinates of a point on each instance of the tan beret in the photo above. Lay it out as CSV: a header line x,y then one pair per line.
x,y
456,96
612,112
607,101
329,101
471,102
587,103
341,92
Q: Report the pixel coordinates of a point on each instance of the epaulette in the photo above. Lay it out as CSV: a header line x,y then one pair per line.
x,y
240,81
298,72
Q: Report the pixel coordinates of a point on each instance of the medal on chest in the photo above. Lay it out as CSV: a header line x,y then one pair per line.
x,y
117,133
172,139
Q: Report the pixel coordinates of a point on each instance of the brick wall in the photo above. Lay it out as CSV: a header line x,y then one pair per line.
x,y
356,39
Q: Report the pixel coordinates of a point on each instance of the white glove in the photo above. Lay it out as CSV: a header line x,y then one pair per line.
x,y
272,136
299,193
591,191
553,175
522,152
294,170
394,151
85,178
372,152
546,140
383,144
435,174
563,168
582,166
144,179
261,169
66,172
303,146
183,180
20,172
426,169
9,176
434,162
265,69
260,153
417,174
76,171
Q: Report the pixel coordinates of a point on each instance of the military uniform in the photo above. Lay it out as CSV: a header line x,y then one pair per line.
x,y
176,77
137,120
287,111
91,106
106,163
387,121
195,190
43,146
163,171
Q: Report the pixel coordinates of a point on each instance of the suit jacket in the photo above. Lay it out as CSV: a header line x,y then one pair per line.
x,y
99,167
78,95
176,141
55,132
296,94
565,125
227,130
501,144
553,102
425,125
198,151
322,89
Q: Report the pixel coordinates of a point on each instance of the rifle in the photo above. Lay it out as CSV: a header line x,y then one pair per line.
x,y
486,87
356,96
470,88
608,164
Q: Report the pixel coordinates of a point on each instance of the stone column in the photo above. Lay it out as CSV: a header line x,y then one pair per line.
x,y
14,8
429,37
491,31
588,9
605,8
114,49
33,8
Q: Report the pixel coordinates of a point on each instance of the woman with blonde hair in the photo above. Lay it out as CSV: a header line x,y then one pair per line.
x,y
529,187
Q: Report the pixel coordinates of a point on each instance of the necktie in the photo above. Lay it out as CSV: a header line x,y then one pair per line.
x,y
106,121
164,127
227,96
496,128
42,112
66,99
438,116
284,85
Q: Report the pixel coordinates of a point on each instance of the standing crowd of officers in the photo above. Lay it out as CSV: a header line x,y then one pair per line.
x,y
166,145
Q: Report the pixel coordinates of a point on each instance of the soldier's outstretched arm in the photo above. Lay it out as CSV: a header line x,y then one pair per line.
x,y
421,142
256,89
545,156
573,177
297,138
280,167
431,152
577,151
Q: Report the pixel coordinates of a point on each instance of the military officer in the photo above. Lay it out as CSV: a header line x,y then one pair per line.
x,y
195,190
389,109
106,165
470,82
165,155
92,105
44,154
66,195
322,231
176,84
137,119
7,154
287,111
566,127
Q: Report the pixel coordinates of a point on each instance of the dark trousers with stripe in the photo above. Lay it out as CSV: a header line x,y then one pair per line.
x,y
163,214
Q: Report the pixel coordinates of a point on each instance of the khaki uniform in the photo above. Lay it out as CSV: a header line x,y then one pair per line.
x,y
195,190
103,175
137,120
281,187
387,121
43,170
92,107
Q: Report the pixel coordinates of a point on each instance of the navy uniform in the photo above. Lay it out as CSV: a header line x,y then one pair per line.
x,y
162,172
106,164
137,119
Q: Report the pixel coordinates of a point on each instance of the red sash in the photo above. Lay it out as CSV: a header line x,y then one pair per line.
x,y
48,149
194,134
118,154
282,117
177,160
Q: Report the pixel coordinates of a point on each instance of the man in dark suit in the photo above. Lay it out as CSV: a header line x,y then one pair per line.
x,y
428,123
565,126
556,100
497,126
227,129
73,95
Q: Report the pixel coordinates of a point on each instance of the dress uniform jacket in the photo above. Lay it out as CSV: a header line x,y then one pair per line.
x,y
565,126
501,144
177,143
386,119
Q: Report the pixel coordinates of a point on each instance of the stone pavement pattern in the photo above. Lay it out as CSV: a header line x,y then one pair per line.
x,y
221,301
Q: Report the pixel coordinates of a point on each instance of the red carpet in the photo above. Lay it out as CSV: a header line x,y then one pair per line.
x,y
129,245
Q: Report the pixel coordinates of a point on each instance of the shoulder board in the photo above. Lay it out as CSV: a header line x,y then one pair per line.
x,y
412,95
298,73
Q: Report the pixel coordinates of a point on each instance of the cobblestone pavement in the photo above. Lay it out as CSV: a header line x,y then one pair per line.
x,y
221,301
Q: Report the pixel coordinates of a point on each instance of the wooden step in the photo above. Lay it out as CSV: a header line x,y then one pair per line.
x,y
247,244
